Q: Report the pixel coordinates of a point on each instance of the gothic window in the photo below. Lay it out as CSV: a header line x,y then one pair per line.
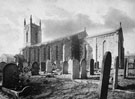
x,y
34,54
56,52
38,54
104,46
27,36
49,52
44,54
36,37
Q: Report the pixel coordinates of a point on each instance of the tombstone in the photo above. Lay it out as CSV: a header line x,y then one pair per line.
x,y
97,64
61,65
70,66
92,67
49,66
35,68
65,67
83,69
10,76
75,68
58,64
25,67
115,77
125,67
20,67
105,74
43,66
2,65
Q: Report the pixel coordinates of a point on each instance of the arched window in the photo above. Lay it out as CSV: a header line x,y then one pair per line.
x,y
49,52
26,36
36,37
104,47
56,52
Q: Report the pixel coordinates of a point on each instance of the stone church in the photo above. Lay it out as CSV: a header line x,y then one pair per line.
x,y
78,46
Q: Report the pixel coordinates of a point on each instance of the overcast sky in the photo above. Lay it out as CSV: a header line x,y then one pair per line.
x,y
64,17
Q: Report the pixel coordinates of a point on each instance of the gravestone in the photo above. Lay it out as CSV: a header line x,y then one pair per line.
x,y
125,67
65,67
2,65
105,74
35,68
92,67
97,64
49,66
43,66
20,67
83,69
75,68
10,76
70,64
58,64
115,77
61,65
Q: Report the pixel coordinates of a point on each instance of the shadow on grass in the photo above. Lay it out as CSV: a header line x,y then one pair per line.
x,y
128,87
132,78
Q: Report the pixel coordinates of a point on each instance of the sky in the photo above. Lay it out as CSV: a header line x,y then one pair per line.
x,y
64,17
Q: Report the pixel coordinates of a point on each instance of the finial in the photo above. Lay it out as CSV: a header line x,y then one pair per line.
x,y
30,16
30,19
40,22
120,24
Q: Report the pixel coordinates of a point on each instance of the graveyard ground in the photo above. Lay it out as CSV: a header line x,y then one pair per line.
x,y
61,87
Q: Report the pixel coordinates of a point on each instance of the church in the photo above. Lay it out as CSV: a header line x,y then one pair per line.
x,y
78,46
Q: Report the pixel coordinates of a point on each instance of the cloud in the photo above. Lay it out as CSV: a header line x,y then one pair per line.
x,y
59,28
115,16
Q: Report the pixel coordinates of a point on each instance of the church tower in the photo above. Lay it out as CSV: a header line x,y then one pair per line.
x,y
32,33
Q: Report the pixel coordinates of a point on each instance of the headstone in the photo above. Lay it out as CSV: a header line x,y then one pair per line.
x,y
115,77
70,64
65,67
58,64
92,67
2,65
97,64
43,66
49,66
83,69
10,76
105,74
20,67
61,65
125,67
35,68
75,68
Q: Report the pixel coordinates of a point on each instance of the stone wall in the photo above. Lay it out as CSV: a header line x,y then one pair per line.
x,y
61,49
97,46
